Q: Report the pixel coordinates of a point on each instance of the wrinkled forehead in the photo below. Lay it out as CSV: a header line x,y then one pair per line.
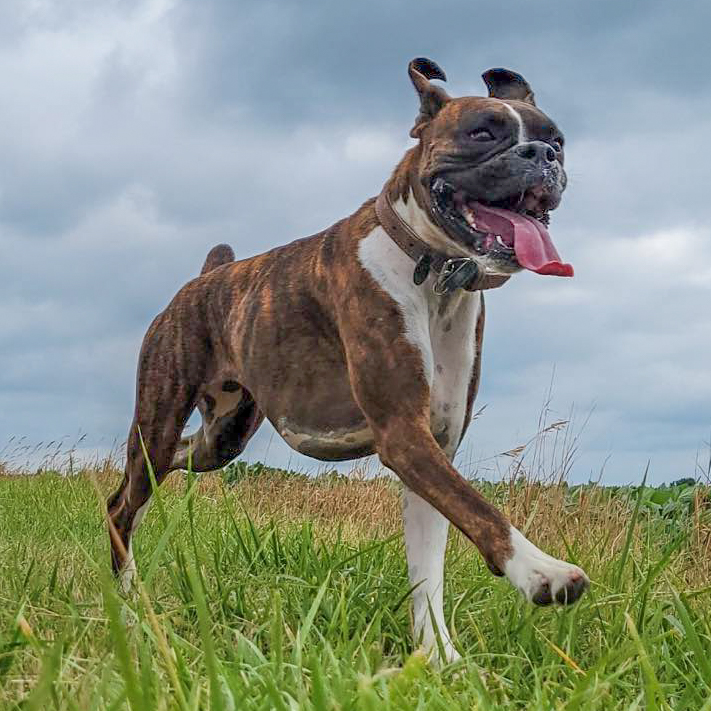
x,y
510,113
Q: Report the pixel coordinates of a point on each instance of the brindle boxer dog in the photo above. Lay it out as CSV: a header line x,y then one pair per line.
x,y
367,338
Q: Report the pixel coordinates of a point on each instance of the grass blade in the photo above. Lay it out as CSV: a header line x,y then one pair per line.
x,y
631,527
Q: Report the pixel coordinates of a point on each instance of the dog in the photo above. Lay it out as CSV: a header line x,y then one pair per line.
x,y
367,338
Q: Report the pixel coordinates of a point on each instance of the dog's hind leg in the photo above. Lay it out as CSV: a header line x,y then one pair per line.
x,y
170,372
229,419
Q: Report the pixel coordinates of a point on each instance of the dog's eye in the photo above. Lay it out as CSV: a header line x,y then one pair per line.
x,y
481,134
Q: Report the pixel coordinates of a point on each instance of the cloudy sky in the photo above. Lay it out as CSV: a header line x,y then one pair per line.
x,y
135,134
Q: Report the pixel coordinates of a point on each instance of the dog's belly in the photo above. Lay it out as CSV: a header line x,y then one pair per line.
x,y
348,442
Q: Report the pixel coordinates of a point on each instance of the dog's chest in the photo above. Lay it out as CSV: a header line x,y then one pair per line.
x,y
443,329
453,340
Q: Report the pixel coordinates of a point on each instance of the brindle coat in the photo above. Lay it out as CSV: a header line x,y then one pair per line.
x,y
304,336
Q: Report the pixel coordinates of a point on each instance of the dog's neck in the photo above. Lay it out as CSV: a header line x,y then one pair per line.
x,y
401,190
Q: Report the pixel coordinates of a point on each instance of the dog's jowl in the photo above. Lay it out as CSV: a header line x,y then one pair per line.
x,y
367,337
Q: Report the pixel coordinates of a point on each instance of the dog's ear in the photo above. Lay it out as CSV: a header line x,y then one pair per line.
x,y
432,97
505,84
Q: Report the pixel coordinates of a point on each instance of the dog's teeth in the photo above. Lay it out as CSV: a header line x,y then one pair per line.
x,y
469,217
501,242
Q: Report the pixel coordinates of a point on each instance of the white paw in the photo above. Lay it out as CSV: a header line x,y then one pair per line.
x,y
439,658
451,655
541,578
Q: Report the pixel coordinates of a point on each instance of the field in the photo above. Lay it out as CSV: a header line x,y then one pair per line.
x,y
263,589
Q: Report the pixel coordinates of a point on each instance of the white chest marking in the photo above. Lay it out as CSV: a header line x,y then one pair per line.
x,y
442,328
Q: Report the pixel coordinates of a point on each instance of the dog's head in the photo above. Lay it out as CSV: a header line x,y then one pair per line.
x,y
490,170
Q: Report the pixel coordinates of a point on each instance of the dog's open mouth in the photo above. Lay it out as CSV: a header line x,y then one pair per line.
x,y
511,231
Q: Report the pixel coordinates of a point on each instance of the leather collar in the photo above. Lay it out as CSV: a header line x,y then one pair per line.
x,y
471,278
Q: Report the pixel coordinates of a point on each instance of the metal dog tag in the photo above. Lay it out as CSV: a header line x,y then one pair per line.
x,y
422,269
456,274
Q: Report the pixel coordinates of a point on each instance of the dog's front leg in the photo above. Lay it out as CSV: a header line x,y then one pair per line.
x,y
392,390
409,449
425,545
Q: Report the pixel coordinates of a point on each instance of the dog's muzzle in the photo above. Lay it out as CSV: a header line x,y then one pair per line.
x,y
499,209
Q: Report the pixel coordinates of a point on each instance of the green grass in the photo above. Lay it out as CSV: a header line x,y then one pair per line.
x,y
254,600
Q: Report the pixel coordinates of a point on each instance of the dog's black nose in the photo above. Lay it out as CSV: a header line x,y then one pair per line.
x,y
537,151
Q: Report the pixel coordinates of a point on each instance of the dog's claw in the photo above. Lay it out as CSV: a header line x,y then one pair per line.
x,y
577,585
495,570
566,595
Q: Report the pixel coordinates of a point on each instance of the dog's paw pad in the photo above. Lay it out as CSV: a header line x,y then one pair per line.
x,y
576,585
542,596
542,579
564,585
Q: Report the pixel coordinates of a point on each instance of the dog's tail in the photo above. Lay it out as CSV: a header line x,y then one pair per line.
x,y
217,256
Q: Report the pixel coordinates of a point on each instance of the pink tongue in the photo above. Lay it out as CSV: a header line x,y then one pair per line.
x,y
529,238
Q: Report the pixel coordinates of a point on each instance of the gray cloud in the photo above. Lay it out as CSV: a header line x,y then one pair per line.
x,y
135,136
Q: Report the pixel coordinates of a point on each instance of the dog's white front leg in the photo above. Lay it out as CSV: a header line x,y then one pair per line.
x,y
425,543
